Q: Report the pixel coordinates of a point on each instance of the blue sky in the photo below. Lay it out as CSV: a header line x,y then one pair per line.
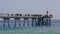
x,y
31,7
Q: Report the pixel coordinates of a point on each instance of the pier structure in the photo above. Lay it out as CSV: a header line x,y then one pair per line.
x,y
37,19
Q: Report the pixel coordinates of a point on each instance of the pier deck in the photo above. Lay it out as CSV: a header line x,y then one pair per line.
x,y
26,16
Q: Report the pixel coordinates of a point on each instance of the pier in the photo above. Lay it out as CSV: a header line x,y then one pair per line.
x,y
37,19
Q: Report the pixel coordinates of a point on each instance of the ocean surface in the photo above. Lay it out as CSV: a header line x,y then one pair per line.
x,y
53,29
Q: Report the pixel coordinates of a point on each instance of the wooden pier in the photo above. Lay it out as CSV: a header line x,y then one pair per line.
x,y
40,20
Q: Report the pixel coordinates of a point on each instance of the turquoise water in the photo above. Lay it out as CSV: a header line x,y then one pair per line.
x,y
53,29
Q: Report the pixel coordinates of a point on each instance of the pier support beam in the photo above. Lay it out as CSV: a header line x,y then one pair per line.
x,y
24,23
46,21
49,22
8,23
39,21
42,21
32,21
17,19
4,23
19,22
36,22
15,23
27,22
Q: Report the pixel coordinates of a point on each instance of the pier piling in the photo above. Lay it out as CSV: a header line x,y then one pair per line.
x,y
28,22
15,23
4,23
19,22
8,23
24,23
32,21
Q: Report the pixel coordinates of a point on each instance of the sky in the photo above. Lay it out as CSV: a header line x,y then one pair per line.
x,y
31,7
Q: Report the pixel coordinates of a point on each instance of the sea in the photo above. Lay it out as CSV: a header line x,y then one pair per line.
x,y
53,29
